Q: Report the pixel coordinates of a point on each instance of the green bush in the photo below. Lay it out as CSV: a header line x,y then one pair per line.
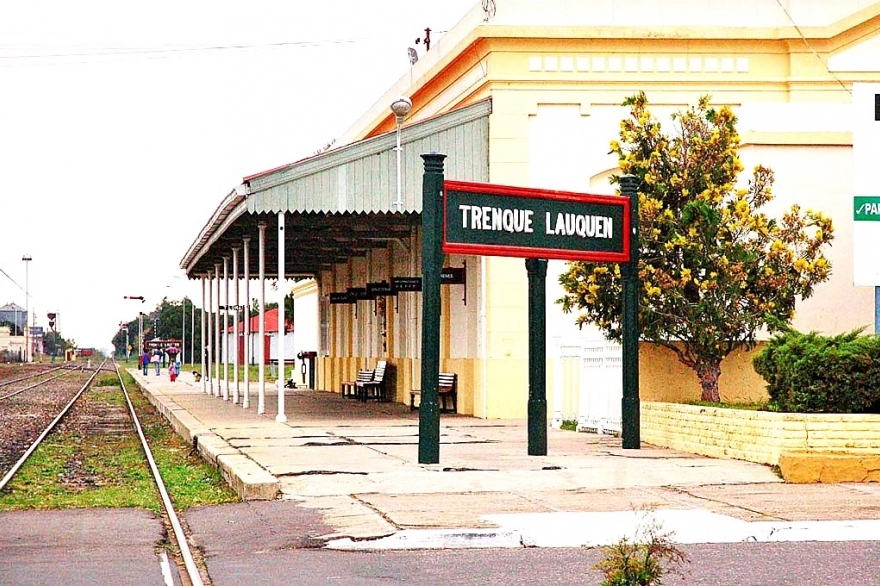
x,y
643,560
811,373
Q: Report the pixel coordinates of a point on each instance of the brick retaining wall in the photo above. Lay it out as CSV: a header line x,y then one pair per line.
x,y
755,436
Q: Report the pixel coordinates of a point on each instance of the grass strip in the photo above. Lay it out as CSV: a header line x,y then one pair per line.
x,y
77,467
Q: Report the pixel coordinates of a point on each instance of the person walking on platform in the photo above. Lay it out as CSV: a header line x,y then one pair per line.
x,y
172,370
145,361
157,361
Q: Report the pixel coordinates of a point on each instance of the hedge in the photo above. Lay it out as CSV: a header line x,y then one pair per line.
x,y
811,373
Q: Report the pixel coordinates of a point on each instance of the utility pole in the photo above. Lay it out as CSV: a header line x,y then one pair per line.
x,y
27,328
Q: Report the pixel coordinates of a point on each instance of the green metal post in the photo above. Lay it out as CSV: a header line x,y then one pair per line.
x,y
537,408
432,263
629,272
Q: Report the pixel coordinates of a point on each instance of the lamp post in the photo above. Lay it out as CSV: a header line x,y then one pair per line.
x,y
140,322
27,328
401,107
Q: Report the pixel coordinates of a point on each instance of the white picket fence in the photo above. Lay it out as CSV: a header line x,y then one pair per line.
x,y
587,384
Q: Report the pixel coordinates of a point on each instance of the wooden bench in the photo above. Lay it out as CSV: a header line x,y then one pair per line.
x,y
447,389
375,387
349,387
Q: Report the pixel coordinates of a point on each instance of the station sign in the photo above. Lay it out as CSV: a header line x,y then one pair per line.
x,y
340,298
452,276
380,289
359,293
403,284
498,220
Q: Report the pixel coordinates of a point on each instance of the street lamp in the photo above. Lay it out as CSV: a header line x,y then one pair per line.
x,y
401,107
27,346
140,323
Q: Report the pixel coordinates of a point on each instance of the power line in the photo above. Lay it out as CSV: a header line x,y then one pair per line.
x,y
810,47
11,279
124,52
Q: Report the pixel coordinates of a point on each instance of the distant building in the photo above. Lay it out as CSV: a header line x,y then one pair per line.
x,y
270,329
13,314
11,347
301,332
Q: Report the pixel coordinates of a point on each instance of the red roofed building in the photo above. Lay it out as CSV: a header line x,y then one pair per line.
x,y
270,323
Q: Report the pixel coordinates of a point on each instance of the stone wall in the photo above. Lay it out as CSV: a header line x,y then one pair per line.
x,y
756,436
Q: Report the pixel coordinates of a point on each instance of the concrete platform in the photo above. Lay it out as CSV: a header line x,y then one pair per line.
x,y
357,465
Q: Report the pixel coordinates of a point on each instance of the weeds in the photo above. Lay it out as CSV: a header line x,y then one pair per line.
x,y
642,560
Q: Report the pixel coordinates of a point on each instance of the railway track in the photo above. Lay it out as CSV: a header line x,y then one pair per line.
x,y
20,384
41,397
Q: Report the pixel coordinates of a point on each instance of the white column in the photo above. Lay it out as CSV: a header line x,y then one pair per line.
x,y
261,330
281,417
209,349
558,373
247,324
192,334
225,352
204,364
217,351
234,345
183,332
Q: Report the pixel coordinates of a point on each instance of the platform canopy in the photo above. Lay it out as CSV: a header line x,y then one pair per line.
x,y
341,203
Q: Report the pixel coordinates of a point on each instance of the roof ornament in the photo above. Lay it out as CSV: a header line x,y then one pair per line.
x,y
488,10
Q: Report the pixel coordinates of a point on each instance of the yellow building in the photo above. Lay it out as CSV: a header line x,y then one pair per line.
x,y
528,94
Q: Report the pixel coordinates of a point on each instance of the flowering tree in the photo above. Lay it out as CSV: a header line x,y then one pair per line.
x,y
713,269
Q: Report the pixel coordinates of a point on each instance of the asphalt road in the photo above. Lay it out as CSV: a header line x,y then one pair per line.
x,y
80,547
744,564
277,543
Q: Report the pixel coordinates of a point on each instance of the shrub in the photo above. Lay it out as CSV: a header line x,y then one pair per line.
x,y
643,560
811,373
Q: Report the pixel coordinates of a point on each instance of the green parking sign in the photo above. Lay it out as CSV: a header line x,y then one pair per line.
x,y
866,208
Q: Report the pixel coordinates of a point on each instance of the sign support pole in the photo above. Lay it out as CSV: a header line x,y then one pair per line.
x,y
537,406
629,272
432,263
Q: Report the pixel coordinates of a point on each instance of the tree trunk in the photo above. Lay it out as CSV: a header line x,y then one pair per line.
x,y
708,373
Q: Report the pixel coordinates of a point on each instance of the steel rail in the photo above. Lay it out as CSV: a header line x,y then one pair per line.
x,y
46,431
32,375
189,562
27,388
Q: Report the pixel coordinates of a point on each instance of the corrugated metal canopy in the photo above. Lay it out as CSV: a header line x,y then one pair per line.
x,y
341,203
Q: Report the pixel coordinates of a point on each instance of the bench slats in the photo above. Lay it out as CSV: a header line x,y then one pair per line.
x,y
375,387
349,387
447,388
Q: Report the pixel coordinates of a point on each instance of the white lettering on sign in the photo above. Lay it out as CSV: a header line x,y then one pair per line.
x,y
500,219
582,225
869,208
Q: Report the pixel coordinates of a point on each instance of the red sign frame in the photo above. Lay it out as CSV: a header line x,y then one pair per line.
x,y
557,197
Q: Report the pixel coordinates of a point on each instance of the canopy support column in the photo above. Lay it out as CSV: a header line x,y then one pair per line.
x,y
261,328
204,381
247,324
225,350
234,345
281,417
217,332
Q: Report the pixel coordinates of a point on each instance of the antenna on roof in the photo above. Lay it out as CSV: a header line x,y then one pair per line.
x,y
413,56
426,40
488,9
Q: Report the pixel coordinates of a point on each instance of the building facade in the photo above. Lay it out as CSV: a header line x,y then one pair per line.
x,y
529,94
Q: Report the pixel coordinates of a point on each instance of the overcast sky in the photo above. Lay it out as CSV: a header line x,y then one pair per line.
x,y
123,125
